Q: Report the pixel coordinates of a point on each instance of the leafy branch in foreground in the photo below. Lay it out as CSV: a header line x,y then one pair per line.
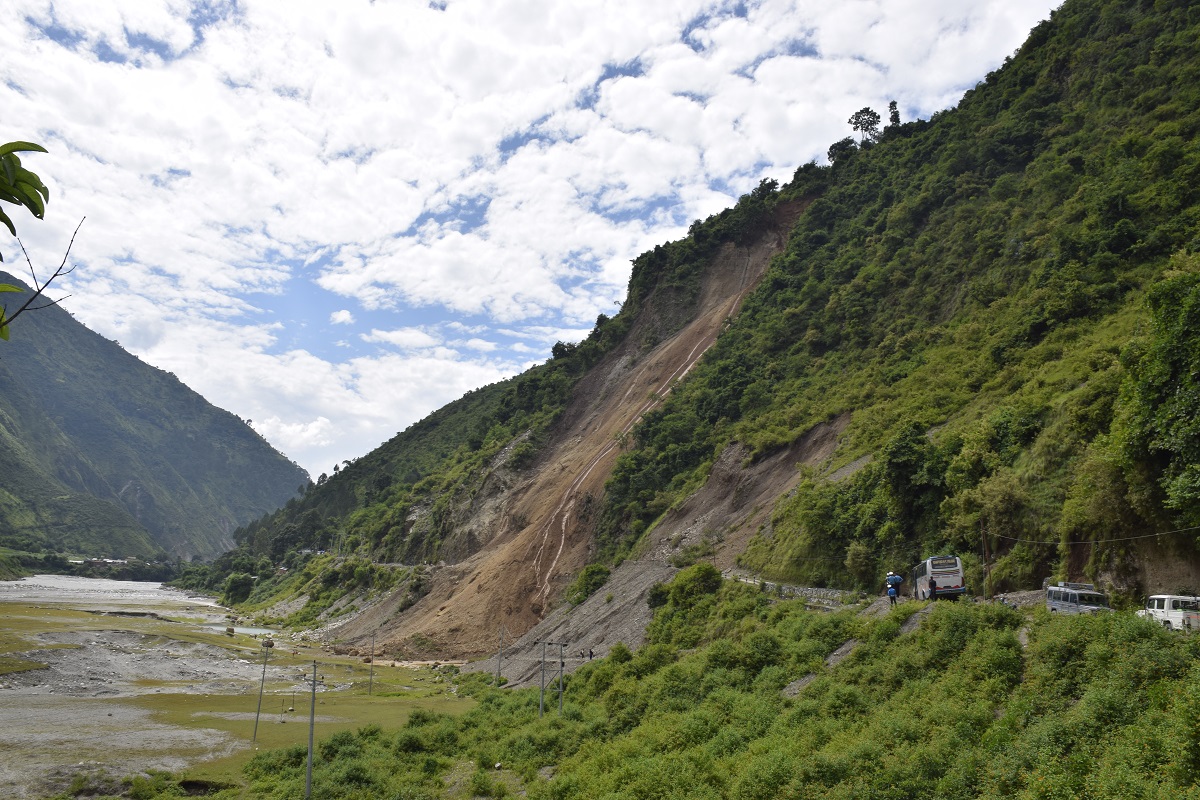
x,y
39,287
20,186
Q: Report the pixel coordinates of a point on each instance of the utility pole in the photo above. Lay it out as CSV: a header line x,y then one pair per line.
x,y
987,589
542,698
499,655
561,665
371,680
266,650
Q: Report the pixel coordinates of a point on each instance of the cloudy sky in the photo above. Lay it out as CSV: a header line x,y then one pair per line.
x,y
334,218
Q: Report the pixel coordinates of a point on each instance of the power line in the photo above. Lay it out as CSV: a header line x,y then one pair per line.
x,y
1096,541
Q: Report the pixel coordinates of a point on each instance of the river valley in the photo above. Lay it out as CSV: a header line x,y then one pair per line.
x,y
102,679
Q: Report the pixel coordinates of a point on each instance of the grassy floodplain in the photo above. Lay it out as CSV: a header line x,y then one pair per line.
x,y
92,700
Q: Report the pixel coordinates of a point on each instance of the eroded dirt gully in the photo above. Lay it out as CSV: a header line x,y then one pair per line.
x,y
530,537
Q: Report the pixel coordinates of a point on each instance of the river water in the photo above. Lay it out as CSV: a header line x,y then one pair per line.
x,y
101,594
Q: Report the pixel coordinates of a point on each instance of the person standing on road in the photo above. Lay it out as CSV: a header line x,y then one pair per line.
x,y
892,594
932,588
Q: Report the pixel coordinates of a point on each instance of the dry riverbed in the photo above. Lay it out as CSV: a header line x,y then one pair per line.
x,y
97,653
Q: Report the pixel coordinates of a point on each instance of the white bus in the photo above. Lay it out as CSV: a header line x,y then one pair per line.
x,y
947,574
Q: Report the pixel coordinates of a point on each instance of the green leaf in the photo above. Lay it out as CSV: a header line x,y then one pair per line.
x,y
8,287
32,200
3,326
31,178
10,164
16,147
8,222
25,176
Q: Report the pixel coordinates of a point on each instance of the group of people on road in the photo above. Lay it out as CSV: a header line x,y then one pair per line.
x,y
892,582
892,585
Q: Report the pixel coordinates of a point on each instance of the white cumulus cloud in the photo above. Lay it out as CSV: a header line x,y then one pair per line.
x,y
334,218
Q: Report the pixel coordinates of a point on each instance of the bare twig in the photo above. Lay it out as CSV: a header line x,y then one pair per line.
x,y
39,287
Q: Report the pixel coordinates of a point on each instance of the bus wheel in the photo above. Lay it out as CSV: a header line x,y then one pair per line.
x,y
1167,624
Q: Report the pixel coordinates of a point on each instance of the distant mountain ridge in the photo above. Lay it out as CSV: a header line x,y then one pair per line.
x,y
104,454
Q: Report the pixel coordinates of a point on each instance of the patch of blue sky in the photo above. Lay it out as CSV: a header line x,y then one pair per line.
x,y
105,52
301,311
740,183
463,214
204,15
169,176
793,48
706,20
800,48
513,142
688,34
102,48
57,33
630,69
144,43
634,211
695,97
359,155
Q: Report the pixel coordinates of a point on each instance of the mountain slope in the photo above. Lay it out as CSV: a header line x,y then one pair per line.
x,y
106,455
974,334
971,292
538,531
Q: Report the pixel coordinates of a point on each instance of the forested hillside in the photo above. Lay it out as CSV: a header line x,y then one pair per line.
x,y
994,308
106,456
1000,298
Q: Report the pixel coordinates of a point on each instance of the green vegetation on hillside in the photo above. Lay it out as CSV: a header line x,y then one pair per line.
x,y
731,698
972,291
107,456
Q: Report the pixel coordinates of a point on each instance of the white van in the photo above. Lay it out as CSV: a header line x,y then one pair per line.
x,y
1075,598
1176,612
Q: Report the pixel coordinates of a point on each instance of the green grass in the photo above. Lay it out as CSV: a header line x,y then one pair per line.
x,y
10,665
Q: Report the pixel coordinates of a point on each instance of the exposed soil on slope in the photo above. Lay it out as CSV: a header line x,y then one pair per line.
x,y
736,501
536,532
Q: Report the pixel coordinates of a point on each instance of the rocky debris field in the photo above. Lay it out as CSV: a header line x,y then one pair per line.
x,y
78,713
115,663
